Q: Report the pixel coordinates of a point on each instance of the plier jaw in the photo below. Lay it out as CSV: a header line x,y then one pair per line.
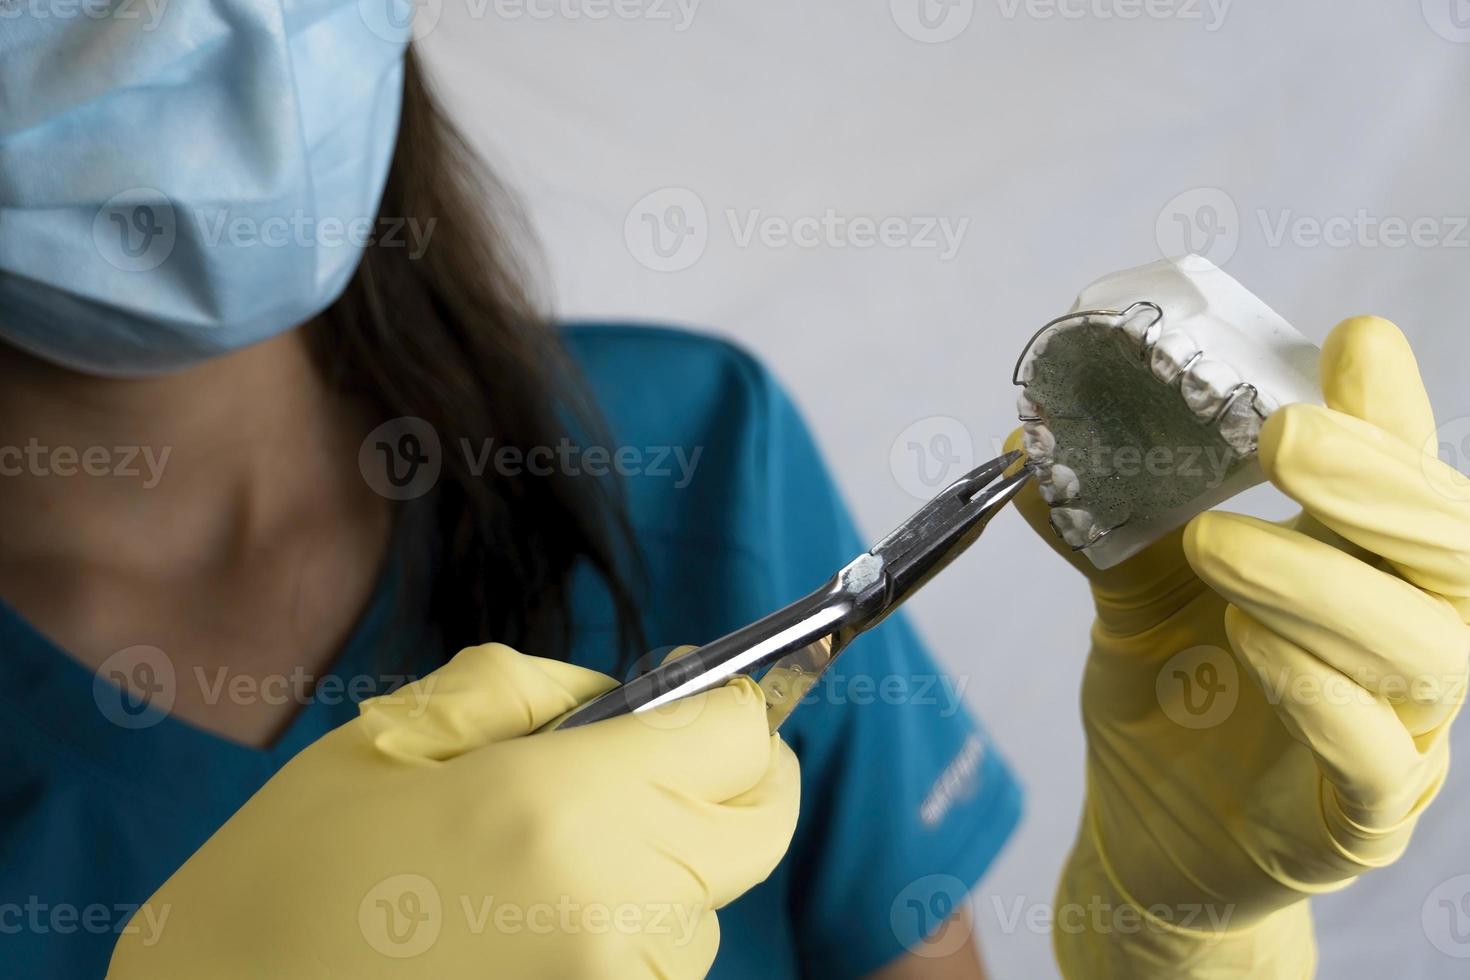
x,y
789,649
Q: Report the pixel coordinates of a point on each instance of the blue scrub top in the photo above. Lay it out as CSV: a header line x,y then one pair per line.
x,y
905,802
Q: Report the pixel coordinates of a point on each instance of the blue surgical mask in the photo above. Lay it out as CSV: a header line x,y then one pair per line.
x,y
184,179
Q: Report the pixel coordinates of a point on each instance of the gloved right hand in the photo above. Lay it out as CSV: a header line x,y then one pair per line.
x,y
1267,707
435,836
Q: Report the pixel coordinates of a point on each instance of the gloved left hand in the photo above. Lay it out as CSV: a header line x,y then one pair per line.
x,y
1267,707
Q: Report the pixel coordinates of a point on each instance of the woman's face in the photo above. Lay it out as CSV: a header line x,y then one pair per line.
x,y
184,179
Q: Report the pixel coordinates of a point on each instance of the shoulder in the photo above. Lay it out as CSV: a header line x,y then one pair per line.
x,y
712,455
601,341
699,424
669,383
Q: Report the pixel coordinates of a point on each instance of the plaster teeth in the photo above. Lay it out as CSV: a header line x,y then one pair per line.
x,y
1059,484
1137,326
1075,525
1206,385
1034,354
1038,441
1240,426
1174,350
1180,323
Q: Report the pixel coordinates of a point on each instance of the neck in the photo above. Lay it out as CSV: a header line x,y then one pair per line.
x,y
177,472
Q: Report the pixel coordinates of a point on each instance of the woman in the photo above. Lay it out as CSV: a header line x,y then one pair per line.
x,y
330,513
267,549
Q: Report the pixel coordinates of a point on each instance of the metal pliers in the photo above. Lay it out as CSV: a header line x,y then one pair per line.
x,y
788,650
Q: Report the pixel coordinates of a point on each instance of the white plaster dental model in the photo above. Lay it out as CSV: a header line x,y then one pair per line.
x,y
1143,406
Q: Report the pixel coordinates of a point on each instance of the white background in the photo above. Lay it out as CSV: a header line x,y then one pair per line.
x,y
1063,133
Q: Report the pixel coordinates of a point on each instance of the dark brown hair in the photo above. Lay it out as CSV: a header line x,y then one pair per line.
x,y
452,337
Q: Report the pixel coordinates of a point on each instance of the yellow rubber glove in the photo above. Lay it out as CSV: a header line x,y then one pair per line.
x,y
1267,706
434,836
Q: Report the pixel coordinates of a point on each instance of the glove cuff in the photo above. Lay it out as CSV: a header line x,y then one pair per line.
x,y
1099,932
